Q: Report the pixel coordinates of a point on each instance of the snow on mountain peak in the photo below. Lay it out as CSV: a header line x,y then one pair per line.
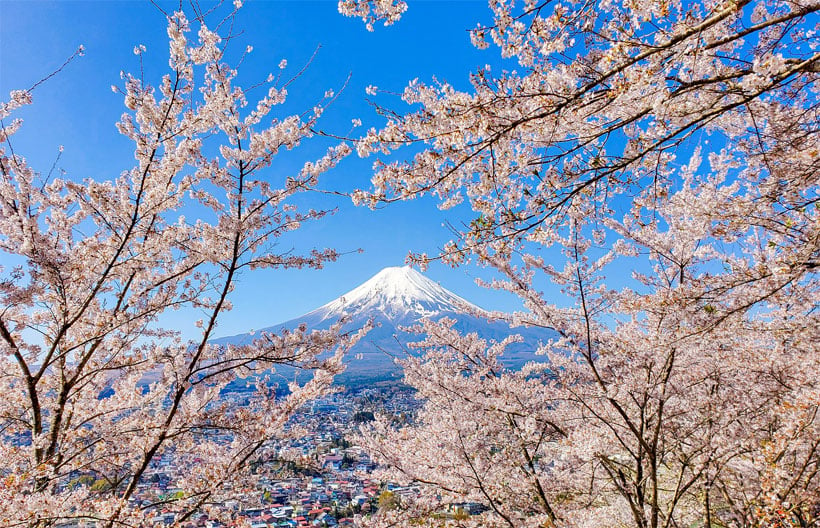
x,y
396,292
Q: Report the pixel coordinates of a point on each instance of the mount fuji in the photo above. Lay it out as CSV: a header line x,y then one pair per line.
x,y
397,297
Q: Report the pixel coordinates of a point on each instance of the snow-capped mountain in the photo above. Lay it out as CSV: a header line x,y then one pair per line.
x,y
398,292
397,297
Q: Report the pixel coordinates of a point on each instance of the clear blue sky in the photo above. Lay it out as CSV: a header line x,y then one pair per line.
x,y
77,109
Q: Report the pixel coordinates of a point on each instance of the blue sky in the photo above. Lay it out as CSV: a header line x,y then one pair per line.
x,y
77,109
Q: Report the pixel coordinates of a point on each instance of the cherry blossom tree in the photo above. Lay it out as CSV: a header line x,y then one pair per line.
x,y
95,391
656,161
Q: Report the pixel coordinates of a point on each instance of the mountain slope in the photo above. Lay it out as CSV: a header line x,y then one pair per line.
x,y
397,297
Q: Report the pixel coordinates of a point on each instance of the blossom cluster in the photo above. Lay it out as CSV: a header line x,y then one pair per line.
x,y
655,165
96,390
